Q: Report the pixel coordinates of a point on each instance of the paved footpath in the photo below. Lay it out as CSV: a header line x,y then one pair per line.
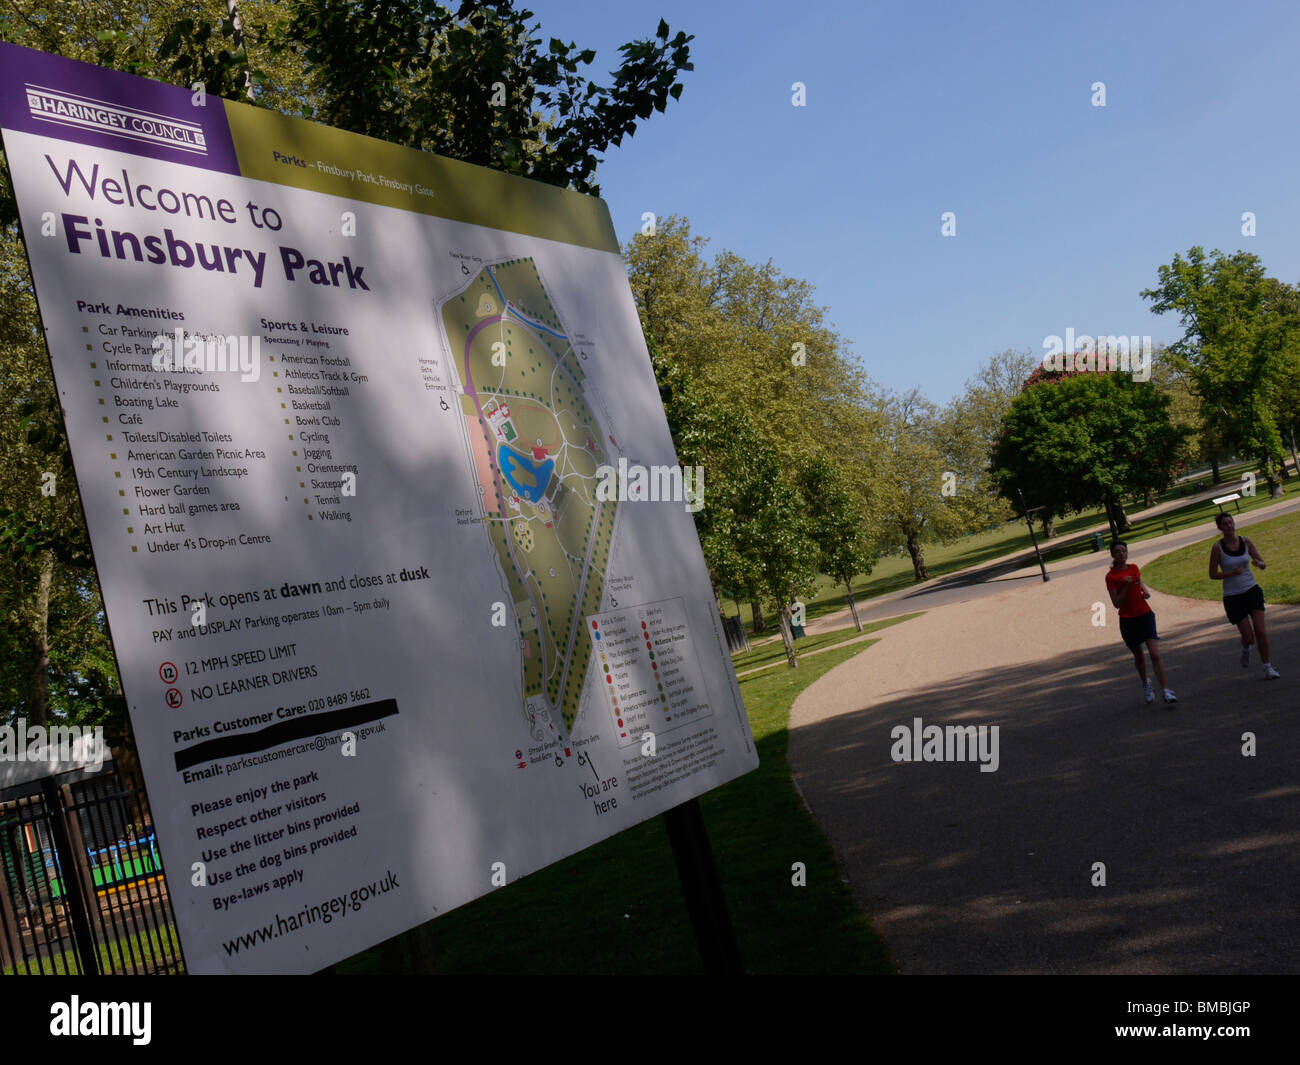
x,y
971,872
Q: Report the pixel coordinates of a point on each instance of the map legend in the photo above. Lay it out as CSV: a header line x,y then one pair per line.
x,y
649,674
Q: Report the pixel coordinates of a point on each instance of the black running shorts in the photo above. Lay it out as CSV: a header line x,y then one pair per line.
x,y
1239,606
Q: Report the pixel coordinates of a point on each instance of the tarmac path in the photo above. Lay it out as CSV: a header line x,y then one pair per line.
x,y
964,871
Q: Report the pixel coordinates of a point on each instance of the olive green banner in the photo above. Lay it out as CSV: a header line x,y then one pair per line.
x,y
305,155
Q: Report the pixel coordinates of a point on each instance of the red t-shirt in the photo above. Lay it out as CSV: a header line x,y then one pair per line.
x,y
1132,605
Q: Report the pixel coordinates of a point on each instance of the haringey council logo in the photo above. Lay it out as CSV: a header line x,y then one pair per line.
x,y
117,120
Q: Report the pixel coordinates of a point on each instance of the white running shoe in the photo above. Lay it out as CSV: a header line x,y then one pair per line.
x,y
1148,693
1245,656
1170,697
1270,673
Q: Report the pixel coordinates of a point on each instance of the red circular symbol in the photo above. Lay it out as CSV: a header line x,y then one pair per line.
x,y
168,673
173,697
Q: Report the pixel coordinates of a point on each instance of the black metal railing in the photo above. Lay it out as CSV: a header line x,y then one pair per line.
x,y
82,888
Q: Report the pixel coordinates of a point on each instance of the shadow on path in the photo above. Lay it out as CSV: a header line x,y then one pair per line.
x,y
964,871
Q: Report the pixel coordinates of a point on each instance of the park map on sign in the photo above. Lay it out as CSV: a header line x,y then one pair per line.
x,y
536,447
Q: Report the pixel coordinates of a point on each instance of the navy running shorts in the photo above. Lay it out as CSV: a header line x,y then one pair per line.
x,y
1136,631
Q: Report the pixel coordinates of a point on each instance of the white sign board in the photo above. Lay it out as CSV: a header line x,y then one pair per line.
x,y
401,576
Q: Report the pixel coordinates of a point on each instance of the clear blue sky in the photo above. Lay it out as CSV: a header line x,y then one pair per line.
x,y
1064,211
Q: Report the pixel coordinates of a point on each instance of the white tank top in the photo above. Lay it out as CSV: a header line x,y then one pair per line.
x,y
1242,582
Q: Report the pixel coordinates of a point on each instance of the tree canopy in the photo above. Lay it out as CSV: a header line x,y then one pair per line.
x,y
476,82
1241,342
1082,439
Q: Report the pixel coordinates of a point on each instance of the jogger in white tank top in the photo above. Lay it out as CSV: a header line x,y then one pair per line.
x,y
1243,599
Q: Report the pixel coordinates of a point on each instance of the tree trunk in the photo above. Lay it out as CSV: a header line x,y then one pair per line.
x,y
1214,466
853,607
1124,524
918,558
1274,485
1049,527
787,636
1149,500
757,608
39,712
1119,523
1294,455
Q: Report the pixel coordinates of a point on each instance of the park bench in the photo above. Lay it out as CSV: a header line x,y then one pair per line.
x,y
1220,500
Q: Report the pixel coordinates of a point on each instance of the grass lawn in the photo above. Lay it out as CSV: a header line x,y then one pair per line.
x,y
617,907
895,571
773,652
120,956
1200,514
1186,572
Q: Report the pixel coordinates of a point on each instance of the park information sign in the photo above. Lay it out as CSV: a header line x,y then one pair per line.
x,y
402,578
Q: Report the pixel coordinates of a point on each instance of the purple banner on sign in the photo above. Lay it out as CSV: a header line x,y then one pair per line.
x,y
55,97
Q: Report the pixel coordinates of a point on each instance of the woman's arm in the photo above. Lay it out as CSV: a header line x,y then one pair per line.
x,y
1216,571
1255,554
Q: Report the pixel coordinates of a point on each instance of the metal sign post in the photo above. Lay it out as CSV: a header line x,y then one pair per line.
x,y
703,889
1034,539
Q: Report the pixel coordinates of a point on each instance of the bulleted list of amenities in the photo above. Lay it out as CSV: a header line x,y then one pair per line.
x,y
339,414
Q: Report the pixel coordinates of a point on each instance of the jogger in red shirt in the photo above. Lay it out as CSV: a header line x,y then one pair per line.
x,y
1137,621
